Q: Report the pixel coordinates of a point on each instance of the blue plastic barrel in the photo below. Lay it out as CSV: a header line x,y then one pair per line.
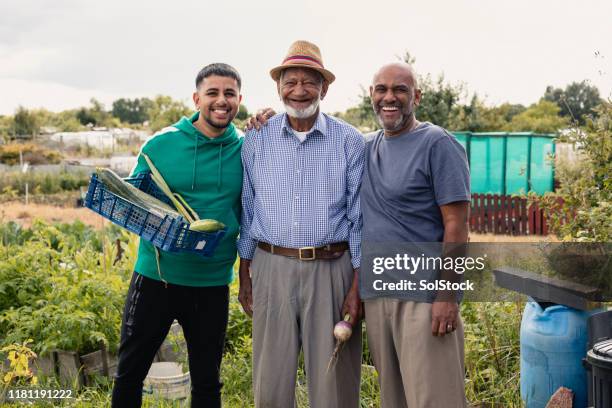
x,y
553,344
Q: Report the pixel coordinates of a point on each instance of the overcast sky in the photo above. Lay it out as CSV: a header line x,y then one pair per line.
x,y
58,54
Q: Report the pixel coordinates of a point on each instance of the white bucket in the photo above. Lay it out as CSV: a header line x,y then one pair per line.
x,y
166,380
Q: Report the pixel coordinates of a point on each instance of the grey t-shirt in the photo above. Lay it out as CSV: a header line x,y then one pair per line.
x,y
407,178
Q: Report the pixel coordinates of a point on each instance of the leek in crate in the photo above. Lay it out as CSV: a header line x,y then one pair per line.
x,y
181,205
125,190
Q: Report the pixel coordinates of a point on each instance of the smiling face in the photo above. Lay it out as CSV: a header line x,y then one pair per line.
x,y
395,97
301,90
218,98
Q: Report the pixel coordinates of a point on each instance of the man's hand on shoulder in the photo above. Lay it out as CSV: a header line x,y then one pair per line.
x,y
260,119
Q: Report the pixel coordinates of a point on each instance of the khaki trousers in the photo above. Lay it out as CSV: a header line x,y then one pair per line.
x,y
416,369
295,306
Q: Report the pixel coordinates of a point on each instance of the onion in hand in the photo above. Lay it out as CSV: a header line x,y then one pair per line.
x,y
343,329
342,332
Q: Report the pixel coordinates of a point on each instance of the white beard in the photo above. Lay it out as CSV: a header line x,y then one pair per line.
x,y
302,113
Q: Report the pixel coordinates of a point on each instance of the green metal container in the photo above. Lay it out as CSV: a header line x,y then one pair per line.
x,y
509,163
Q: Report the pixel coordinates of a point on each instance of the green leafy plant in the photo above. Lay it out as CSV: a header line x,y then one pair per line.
x,y
19,371
581,209
63,286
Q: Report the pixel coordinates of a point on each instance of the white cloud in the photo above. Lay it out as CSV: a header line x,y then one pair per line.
x,y
25,62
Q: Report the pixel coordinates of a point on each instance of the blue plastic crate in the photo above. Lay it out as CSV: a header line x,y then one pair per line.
x,y
144,182
169,233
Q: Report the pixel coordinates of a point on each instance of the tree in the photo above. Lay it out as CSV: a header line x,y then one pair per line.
x,y
438,99
25,123
6,127
575,102
96,115
132,110
473,117
507,111
243,113
66,121
361,116
477,117
165,111
542,117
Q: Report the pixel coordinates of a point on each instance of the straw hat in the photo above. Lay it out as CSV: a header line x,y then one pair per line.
x,y
303,54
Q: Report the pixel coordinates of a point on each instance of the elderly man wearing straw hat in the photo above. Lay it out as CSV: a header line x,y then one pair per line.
x,y
300,240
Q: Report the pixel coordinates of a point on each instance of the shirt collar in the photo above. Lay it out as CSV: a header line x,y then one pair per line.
x,y
320,125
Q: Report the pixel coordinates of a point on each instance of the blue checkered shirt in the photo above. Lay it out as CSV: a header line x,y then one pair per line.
x,y
302,194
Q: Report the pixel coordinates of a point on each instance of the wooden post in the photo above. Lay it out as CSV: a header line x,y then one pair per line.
x,y
503,214
524,219
531,215
496,212
490,213
538,219
516,216
69,367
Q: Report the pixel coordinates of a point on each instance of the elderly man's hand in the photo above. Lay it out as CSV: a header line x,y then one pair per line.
x,y
259,119
352,302
444,318
245,294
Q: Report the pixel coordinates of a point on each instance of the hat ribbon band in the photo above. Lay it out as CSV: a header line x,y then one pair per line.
x,y
302,57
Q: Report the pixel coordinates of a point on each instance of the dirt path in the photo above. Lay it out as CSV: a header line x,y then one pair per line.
x,y
26,214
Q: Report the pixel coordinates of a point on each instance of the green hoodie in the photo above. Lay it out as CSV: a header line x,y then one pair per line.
x,y
207,172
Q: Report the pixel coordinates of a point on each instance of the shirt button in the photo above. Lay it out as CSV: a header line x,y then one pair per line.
x,y
297,197
295,223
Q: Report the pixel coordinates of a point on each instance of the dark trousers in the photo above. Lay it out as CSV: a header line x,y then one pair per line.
x,y
150,309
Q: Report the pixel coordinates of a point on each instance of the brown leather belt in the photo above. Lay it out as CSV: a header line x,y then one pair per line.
x,y
331,251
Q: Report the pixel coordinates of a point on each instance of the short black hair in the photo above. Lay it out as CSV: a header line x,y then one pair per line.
x,y
219,69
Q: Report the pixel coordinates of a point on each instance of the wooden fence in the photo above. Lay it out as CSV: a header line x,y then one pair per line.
x,y
506,215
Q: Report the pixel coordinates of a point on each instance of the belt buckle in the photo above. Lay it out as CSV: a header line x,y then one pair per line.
x,y
302,258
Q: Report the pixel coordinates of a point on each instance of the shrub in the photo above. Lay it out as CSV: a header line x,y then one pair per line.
x,y
31,152
581,209
13,183
62,286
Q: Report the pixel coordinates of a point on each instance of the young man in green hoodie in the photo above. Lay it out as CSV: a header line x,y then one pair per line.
x,y
199,158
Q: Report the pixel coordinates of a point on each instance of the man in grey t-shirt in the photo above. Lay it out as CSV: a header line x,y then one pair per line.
x,y
415,189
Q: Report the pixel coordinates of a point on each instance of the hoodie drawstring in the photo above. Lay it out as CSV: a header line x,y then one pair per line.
x,y
195,160
219,167
195,157
229,136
